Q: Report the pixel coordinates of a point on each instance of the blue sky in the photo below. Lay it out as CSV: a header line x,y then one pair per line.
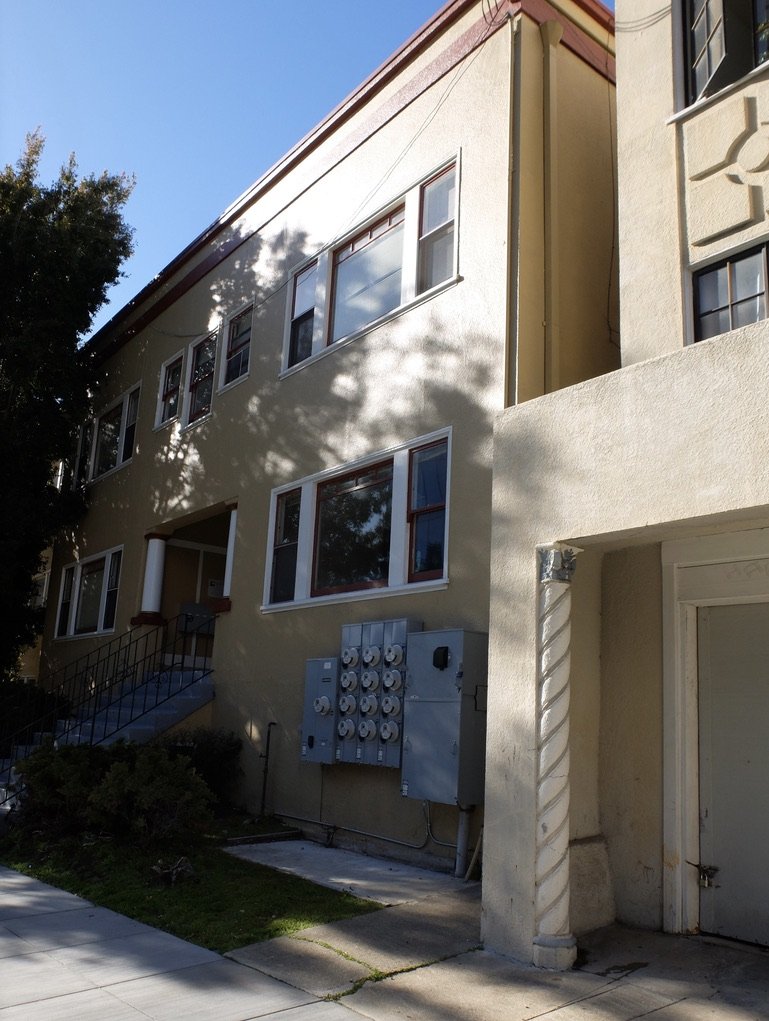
x,y
196,98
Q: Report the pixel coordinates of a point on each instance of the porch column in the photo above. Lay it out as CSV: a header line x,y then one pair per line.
x,y
233,509
153,574
554,944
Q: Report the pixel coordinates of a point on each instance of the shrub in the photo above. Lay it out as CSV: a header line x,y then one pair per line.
x,y
214,754
57,786
126,792
155,798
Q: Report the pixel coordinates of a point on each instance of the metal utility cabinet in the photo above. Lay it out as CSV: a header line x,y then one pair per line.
x,y
444,725
320,710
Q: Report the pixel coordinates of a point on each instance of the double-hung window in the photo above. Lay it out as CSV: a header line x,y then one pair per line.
x,y
108,441
405,252
725,40
201,385
170,390
88,596
731,293
238,347
379,524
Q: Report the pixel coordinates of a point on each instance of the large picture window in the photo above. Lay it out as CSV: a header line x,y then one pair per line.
x,y
385,265
379,524
88,597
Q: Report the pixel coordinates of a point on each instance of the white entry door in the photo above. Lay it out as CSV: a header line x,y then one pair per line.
x,y
733,658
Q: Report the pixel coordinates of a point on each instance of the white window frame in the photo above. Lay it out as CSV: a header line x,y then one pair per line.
x,y
225,344
189,361
77,569
410,295
124,401
398,569
161,423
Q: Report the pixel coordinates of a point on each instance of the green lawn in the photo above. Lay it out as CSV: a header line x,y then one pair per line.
x,y
226,903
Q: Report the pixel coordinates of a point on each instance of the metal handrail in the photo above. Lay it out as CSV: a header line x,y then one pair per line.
x,y
124,678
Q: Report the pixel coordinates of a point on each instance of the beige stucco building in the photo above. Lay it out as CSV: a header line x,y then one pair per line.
x,y
655,479
301,426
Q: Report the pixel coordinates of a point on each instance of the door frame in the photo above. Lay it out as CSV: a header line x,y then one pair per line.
x,y
710,570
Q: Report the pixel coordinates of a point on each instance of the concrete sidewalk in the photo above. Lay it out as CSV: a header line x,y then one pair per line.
x,y
62,958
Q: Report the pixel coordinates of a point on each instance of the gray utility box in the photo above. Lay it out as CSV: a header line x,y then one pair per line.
x,y
372,678
444,741
320,710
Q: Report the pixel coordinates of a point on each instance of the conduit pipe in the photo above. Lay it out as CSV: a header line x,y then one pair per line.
x,y
551,32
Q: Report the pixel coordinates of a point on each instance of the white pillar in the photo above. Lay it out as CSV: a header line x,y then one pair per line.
x,y
153,573
230,553
554,944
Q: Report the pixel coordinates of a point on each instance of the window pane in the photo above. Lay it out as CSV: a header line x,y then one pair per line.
x,y
429,532
749,311
89,596
283,574
712,290
353,540
713,324
284,554
428,476
367,283
748,276
107,440
304,290
437,259
761,11
130,426
66,601
301,337
438,201
112,587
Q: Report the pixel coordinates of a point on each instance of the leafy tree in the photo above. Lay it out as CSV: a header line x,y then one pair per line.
x,y
61,246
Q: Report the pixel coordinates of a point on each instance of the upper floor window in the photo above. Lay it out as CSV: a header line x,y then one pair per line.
x,y
380,268
201,386
725,40
170,390
108,441
380,524
88,595
731,293
238,347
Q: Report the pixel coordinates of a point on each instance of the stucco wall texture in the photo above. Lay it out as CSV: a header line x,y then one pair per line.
x,y
625,460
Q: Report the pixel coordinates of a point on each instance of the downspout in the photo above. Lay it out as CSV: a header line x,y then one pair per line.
x,y
514,217
551,32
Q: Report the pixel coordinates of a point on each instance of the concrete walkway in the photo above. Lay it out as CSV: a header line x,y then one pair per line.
x,y
61,958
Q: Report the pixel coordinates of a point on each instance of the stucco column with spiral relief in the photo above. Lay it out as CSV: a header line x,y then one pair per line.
x,y
554,944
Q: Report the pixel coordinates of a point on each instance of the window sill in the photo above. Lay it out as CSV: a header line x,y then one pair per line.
x,y
198,422
109,472
355,597
78,638
226,387
370,327
702,104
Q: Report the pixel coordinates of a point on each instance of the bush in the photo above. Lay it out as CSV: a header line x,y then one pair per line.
x,y
214,754
130,793
57,787
155,798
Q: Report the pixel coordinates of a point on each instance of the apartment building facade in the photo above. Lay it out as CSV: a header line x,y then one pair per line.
x,y
295,420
